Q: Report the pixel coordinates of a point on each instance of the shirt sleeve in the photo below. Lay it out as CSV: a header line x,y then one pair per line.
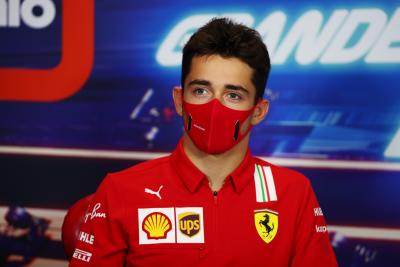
x,y
101,239
312,245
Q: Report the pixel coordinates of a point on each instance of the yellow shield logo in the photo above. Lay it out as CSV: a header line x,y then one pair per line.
x,y
266,222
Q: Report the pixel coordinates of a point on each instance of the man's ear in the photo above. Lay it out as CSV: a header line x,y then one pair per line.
x,y
260,111
177,95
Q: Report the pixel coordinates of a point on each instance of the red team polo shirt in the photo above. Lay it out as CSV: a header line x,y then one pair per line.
x,y
163,213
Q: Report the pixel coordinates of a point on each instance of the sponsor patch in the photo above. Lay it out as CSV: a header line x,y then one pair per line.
x,y
152,192
266,222
190,225
318,212
94,213
85,237
156,225
82,255
321,228
171,225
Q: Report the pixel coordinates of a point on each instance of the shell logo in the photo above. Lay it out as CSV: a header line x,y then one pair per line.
x,y
156,225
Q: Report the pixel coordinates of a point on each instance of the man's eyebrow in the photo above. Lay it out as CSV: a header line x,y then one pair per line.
x,y
237,87
199,82
227,86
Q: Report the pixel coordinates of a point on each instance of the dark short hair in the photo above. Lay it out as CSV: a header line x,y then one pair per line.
x,y
222,36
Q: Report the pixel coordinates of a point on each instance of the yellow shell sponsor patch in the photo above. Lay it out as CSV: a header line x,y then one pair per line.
x,y
156,225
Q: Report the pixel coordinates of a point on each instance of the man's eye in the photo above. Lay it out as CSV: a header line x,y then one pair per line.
x,y
199,91
234,96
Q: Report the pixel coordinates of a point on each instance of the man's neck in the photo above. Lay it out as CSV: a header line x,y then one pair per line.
x,y
216,167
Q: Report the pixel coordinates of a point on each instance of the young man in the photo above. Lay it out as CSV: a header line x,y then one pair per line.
x,y
210,203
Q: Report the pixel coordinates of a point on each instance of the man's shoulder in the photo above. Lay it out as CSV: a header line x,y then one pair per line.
x,y
145,169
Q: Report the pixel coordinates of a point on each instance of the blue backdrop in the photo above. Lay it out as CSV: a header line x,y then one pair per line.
x,y
334,105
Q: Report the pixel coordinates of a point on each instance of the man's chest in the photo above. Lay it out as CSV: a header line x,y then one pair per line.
x,y
200,229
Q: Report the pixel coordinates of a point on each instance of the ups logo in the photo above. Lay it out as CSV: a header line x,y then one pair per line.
x,y
189,223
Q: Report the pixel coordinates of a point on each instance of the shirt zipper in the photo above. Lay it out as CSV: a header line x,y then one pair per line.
x,y
215,194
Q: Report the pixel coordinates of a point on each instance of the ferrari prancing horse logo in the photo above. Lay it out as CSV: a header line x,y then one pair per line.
x,y
266,222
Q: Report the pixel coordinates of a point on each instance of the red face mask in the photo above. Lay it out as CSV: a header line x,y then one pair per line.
x,y
214,128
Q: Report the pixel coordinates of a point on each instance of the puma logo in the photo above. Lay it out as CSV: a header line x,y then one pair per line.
x,y
157,193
